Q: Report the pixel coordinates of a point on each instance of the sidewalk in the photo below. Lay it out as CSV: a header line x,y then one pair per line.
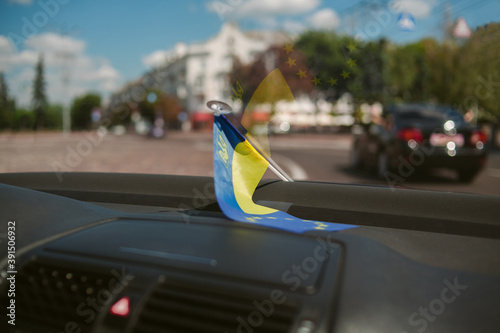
x,y
187,153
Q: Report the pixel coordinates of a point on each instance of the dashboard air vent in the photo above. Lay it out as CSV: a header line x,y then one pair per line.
x,y
49,297
184,308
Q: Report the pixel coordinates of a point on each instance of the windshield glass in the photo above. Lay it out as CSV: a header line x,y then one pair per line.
x,y
424,112
343,92
429,113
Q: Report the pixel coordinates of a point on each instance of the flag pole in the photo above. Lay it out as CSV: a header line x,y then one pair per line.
x,y
220,109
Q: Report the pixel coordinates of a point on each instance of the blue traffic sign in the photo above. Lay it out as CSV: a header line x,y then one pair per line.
x,y
406,22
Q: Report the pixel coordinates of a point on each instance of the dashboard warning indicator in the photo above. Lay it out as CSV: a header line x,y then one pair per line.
x,y
121,307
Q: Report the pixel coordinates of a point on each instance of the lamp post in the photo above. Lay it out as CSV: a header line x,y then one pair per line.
x,y
66,58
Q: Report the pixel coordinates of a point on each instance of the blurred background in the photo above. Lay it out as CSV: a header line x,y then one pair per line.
x,y
402,93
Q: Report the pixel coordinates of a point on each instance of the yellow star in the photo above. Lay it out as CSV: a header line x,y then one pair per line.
x,y
320,226
316,81
271,217
351,62
288,48
351,47
301,73
345,74
291,62
250,219
333,81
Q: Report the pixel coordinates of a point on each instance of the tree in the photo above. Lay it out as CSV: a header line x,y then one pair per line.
x,y
372,78
333,60
81,110
39,99
479,68
53,116
156,103
4,93
409,71
7,105
250,76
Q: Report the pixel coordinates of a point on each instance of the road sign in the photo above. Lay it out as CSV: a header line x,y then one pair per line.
x,y
406,22
461,29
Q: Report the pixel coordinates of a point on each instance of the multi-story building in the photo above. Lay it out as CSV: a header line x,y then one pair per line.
x,y
197,73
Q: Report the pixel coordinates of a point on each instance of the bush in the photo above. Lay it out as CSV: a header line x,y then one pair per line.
x,y
53,117
81,111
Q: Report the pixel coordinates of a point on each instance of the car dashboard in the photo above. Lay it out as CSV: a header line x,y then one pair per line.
x,y
154,253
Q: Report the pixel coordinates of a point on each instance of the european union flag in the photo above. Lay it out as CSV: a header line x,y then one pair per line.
x,y
238,168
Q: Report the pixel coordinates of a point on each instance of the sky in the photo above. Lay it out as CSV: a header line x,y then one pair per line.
x,y
99,46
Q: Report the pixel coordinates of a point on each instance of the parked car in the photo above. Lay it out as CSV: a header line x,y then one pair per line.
x,y
409,137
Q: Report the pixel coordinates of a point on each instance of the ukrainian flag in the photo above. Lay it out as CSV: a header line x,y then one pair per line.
x,y
238,168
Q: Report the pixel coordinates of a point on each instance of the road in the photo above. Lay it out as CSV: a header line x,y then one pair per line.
x,y
320,163
305,157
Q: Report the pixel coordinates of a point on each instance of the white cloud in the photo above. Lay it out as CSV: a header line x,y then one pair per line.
x,y
325,19
268,22
253,8
418,8
63,55
155,59
51,42
9,59
261,9
293,27
5,46
106,72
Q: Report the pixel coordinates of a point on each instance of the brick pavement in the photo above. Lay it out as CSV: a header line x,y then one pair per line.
x,y
177,154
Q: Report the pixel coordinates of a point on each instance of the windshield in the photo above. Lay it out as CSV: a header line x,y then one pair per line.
x,y
123,86
428,113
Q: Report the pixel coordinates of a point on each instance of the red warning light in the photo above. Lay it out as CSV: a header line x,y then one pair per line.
x,y
121,307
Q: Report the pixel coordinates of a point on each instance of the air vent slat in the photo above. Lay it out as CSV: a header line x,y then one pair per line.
x,y
212,310
187,308
174,314
49,296
181,323
228,302
165,295
153,324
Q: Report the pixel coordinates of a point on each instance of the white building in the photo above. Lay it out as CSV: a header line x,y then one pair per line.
x,y
198,73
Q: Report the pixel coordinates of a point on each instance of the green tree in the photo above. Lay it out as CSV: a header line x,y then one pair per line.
x,y
479,66
373,66
39,99
155,103
327,57
53,116
409,72
6,105
4,92
249,77
81,110
23,120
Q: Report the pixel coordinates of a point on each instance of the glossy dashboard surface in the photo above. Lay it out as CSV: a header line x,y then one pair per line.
x,y
161,243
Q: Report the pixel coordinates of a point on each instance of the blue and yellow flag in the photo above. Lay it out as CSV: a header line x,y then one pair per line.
x,y
238,168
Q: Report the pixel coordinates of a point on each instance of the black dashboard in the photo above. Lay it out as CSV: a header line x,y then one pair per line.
x,y
153,253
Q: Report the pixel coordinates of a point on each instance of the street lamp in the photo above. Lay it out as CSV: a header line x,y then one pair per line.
x,y
66,59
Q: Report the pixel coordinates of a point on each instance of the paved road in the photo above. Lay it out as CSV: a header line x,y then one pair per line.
x,y
332,165
306,157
